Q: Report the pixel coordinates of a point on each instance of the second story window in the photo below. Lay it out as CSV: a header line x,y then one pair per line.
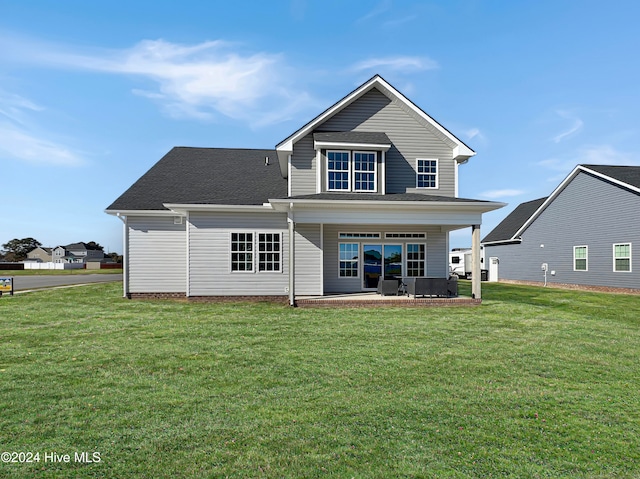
x,y
426,173
352,171
338,171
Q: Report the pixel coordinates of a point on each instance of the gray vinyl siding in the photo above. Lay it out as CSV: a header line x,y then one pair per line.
x,y
157,255
308,260
588,212
410,138
303,167
209,255
436,241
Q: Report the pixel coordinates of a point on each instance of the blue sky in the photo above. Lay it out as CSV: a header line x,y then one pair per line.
x,y
92,94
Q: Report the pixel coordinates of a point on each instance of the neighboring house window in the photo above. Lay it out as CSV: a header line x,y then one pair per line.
x,y
348,260
241,251
338,171
269,252
622,257
364,170
580,258
426,173
416,259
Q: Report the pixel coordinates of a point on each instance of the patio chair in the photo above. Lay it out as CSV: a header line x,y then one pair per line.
x,y
388,287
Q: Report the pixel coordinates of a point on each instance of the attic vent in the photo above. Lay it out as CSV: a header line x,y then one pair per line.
x,y
177,220
266,161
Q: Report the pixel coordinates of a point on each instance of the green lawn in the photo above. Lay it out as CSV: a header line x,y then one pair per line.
x,y
533,383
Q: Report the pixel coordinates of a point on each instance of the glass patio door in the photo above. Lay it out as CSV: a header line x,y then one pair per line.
x,y
380,259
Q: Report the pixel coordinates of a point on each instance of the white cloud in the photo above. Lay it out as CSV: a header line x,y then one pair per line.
x,y
397,63
195,81
576,126
589,155
496,194
379,9
21,145
22,140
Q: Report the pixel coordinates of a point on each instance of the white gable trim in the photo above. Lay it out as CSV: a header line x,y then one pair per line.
x,y
461,152
562,186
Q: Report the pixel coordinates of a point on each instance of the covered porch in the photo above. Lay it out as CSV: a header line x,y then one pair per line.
x,y
341,245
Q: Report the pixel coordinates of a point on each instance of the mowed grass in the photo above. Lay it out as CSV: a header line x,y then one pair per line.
x,y
534,383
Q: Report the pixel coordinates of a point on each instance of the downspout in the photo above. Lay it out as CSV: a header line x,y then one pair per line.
x,y
292,256
125,255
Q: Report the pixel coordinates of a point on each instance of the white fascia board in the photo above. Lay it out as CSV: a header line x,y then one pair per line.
x,y
499,242
184,208
351,146
546,203
140,212
461,152
609,179
453,206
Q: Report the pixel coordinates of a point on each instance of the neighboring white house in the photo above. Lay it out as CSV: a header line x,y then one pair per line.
x,y
367,189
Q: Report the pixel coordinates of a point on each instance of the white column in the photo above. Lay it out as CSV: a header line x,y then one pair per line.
x,y
292,256
475,262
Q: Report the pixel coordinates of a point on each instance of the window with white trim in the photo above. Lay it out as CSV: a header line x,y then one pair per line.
x,y
268,246
622,257
364,171
405,235
242,252
426,173
580,258
269,252
416,255
358,235
348,260
355,171
338,171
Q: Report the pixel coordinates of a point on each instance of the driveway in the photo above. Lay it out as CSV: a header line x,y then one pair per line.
x,y
21,283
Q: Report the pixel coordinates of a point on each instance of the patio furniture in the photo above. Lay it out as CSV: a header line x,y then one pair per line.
x,y
428,287
388,286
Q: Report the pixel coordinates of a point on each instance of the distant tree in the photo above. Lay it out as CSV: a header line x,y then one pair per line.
x,y
94,245
117,258
17,249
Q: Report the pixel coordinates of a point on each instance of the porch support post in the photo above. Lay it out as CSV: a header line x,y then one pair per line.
x,y
292,257
475,262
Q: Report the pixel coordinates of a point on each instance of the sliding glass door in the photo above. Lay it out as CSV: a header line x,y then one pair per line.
x,y
380,259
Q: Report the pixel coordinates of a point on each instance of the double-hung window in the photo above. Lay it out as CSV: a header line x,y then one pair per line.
x,y
580,258
242,252
348,260
244,246
426,173
416,259
364,170
268,251
622,257
338,171
353,171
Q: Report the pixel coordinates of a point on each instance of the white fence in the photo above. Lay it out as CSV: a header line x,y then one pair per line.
x,y
34,265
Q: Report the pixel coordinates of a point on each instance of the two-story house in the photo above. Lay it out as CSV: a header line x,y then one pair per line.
x,y
76,253
366,189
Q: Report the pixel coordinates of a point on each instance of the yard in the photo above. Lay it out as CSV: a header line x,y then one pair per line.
x,y
533,383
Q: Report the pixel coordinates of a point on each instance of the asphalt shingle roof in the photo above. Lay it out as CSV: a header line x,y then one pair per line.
x,y
229,176
361,137
514,221
626,174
